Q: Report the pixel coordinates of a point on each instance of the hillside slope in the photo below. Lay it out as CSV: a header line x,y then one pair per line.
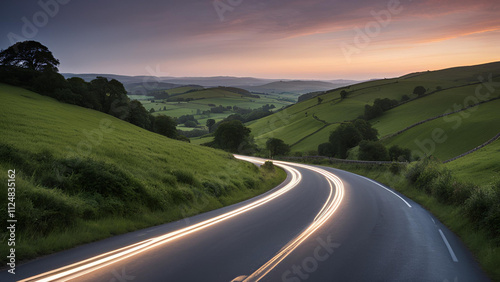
x,y
479,167
446,91
86,175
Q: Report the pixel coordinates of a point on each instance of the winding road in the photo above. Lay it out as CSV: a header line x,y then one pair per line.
x,y
321,224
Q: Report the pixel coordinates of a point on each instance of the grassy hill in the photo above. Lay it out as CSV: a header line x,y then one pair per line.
x,y
459,133
294,88
83,175
479,167
307,124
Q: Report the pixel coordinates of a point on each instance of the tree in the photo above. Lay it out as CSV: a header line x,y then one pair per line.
x,y
190,123
345,137
230,135
29,55
419,90
372,112
277,147
320,100
343,94
111,95
399,154
386,103
166,126
366,130
372,151
210,123
326,149
139,116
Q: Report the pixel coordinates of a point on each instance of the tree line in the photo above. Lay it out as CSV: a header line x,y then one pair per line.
x,y
361,133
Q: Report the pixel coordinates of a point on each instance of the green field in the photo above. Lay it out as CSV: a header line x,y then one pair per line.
x,y
452,89
142,178
480,167
204,100
452,135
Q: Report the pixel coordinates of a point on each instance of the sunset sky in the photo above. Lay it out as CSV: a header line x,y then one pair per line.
x,y
314,39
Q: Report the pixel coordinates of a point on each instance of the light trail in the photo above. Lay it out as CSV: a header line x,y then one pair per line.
x,y
92,264
329,208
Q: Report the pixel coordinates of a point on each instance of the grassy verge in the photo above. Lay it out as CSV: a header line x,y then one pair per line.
x,y
470,211
50,220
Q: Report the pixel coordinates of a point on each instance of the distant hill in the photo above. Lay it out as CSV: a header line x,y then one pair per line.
x,y
296,87
215,92
203,81
136,84
122,78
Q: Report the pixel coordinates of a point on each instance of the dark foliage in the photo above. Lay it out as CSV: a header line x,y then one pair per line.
x,y
419,90
30,55
372,151
277,147
230,135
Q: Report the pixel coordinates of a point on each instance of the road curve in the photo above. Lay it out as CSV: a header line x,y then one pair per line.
x,y
321,224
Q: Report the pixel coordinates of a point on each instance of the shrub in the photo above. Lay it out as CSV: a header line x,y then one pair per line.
x,y
478,205
400,154
419,90
395,168
442,187
461,192
372,151
326,149
426,178
268,166
190,123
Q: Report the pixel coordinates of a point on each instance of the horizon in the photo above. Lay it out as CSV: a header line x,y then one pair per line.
x,y
291,40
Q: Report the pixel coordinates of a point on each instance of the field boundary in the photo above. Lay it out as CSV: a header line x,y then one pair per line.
x,y
475,149
436,117
335,160
309,135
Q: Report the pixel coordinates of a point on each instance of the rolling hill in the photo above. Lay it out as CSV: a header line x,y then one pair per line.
x,y
480,167
307,124
296,87
84,175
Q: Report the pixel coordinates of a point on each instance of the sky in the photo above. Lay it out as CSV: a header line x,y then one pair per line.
x,y
280,39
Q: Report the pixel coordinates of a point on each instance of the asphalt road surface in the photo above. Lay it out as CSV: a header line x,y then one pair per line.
x,y
321,224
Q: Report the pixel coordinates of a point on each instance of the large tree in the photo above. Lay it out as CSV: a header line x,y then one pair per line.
x,y
29,55
166,126
419,90
345,137
277,147
230,135
111,95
